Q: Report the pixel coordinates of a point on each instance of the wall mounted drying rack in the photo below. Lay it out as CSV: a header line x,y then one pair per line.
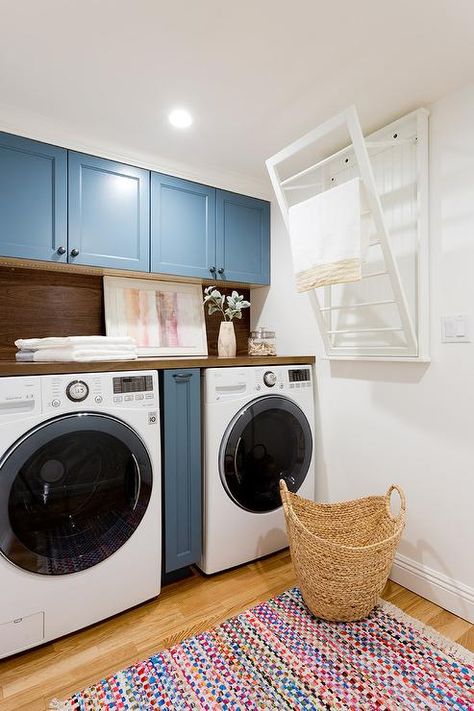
x,y
384,316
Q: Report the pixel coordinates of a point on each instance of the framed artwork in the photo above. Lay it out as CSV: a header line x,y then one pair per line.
x,y
165,318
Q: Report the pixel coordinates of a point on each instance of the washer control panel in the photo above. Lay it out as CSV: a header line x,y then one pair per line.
x,y
99,391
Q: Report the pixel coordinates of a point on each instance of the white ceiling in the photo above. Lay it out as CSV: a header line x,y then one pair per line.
x,y
256,74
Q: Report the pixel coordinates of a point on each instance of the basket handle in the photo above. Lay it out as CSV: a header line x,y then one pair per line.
x,y
403,501
284,494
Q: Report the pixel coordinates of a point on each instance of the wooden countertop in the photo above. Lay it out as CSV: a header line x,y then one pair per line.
x,y
11,367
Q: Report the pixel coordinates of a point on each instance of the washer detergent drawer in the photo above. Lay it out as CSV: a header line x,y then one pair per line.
x,y
21,633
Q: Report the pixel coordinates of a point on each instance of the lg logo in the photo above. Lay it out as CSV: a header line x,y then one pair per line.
x,y
152,418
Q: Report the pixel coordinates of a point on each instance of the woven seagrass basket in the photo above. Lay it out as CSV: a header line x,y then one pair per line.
x,y
342,553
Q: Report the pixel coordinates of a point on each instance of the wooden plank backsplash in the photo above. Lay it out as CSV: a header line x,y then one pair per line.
x,y
38,303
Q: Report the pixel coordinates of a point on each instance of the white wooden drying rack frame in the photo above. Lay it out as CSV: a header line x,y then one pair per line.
x,y
416,334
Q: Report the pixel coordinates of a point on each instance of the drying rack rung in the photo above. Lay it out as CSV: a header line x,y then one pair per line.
x,y
386,329
358,306
374,274
305,185
339,154
319,164
390,143
374,348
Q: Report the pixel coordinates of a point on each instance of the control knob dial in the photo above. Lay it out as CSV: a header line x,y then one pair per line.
x,y
77,390
270,378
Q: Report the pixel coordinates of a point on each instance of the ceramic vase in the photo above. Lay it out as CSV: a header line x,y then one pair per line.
x,y
226,344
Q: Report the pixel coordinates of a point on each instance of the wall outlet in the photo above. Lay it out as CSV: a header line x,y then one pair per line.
x,y
455,329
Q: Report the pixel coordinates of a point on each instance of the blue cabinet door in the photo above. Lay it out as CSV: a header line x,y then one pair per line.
x,y
109,223
242,238
181,417
33,199
183,227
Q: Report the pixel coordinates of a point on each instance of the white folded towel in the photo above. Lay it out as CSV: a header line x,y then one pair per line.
x,y
78,355
325,234
90,342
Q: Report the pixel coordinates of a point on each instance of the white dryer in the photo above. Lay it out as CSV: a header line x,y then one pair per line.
x,y
258,429
80,501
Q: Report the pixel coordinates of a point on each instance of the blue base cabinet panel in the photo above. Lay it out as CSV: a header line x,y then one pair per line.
x,y
183,227
109,203
242,238
33,199
181,467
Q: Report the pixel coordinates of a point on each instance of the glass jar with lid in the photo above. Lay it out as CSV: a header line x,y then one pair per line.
x,y
262,342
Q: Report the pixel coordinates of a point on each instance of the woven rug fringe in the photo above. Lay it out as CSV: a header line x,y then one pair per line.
x,y
57,705
446,645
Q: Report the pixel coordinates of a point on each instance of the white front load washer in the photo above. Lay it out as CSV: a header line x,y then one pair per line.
x,y
80,501
258,429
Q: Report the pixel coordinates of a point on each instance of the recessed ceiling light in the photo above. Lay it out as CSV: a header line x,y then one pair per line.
x,y
180,118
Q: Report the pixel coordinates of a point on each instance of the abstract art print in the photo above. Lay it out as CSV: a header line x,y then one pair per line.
x,y
165,318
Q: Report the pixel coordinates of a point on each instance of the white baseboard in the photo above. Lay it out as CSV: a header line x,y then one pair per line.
x,y
446,592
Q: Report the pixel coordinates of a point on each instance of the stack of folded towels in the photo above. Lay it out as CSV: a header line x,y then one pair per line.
x,y
76,348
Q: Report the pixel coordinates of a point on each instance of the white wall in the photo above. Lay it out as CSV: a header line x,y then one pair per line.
x,y
408,423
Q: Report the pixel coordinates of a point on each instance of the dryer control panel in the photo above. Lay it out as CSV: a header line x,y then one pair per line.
x,y
299,377
226,384
282,378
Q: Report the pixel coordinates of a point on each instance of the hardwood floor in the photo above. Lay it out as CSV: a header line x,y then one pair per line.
x,y
28,681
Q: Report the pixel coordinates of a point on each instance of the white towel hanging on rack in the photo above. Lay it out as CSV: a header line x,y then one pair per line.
x,y
326,237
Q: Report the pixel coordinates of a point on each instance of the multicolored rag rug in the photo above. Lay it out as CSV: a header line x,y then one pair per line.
x,y
278,656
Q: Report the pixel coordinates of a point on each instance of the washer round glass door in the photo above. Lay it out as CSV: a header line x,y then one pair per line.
x,y
268,440
72,492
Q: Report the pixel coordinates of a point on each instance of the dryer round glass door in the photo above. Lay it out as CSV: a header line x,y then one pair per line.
x,y
72,492
268,440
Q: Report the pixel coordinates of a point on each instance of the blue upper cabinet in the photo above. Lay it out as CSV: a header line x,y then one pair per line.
x,y
63,206
183,228
33,199
242,238
109,205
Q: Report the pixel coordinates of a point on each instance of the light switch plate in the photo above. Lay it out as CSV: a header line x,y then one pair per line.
x,y
455,329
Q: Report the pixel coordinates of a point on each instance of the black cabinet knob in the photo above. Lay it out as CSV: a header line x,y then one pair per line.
x,y
74,252
220,270
61,250
212,270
